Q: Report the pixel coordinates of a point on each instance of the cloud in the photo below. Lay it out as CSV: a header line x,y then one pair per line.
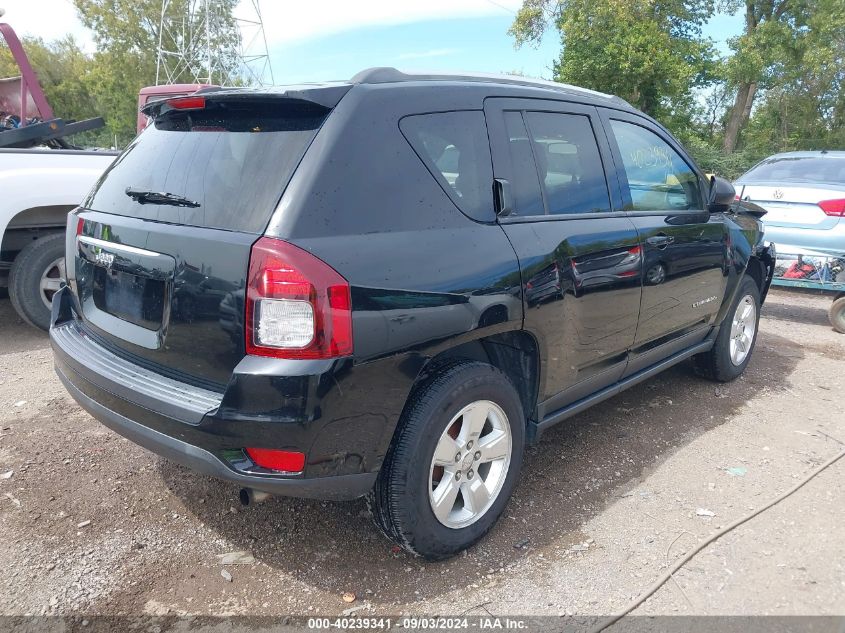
x,y
288,22
285,21
48,19
435,52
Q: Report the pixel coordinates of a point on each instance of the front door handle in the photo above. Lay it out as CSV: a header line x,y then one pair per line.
x,y
660,241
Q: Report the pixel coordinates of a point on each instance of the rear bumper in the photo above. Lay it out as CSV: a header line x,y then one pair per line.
x,y
339,487
201,430
794,240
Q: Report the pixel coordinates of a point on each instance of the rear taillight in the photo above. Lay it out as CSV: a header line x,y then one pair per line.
x,y
833,207
297,306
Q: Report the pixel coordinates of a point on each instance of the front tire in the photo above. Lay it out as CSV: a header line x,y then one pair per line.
x,y
35,277
732,350
454,461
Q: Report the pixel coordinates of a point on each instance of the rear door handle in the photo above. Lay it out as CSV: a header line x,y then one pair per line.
x,y
660,241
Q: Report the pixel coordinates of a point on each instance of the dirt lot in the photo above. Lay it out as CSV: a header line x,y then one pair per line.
x,y
92,524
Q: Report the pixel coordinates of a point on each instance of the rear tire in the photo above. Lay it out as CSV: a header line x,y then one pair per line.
x,y
732,350
443,410
836,314
35,277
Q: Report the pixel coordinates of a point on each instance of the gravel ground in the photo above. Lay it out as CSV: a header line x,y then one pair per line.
x,y
94,524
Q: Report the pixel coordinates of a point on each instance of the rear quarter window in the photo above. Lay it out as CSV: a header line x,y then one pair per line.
x,y
232,158
454,148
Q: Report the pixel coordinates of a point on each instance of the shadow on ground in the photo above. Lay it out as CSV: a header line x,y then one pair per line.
x,y
811,312
18,336
575,471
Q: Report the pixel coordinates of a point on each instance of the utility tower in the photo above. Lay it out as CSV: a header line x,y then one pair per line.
x,y
205,41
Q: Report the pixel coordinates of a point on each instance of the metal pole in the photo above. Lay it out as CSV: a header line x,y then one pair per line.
x,y
266,48
208,41
160,33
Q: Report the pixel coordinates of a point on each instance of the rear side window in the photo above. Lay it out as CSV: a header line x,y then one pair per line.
x,y
658,177
809,169
525,184
568,162
454,148
232,158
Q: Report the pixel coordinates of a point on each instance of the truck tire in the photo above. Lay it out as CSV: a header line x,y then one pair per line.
x,y
836,314
454,461
35,277
729,356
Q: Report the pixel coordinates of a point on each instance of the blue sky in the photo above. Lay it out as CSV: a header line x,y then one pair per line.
x,y
479,44
470,44
334,39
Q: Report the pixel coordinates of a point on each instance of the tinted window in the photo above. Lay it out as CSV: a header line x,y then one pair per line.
x,y
657,176
821,170
568,162
454,147
525,185
232,158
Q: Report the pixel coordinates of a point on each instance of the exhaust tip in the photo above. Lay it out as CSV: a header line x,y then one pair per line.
x,y
243,495
248,496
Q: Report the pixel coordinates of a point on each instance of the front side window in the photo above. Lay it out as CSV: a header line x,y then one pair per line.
x,y
568,162
658,177
454,148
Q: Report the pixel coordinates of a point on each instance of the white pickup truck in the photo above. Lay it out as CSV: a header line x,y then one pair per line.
x,y
39,187
41,179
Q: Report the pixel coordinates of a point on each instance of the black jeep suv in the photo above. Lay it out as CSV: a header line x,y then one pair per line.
x,y
386,287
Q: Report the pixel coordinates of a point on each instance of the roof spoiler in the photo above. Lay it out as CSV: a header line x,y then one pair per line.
x,y
323,95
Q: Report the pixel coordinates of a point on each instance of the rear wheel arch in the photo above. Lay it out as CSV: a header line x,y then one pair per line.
x,y
514,353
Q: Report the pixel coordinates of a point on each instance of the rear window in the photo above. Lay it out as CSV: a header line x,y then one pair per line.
x,y
454,147
806,169
232,158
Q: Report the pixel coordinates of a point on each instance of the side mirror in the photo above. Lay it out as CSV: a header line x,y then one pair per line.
x,y
503,198
722,195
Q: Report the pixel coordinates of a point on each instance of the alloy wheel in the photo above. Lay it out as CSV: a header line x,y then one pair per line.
x,y
743,328
470,464
51,281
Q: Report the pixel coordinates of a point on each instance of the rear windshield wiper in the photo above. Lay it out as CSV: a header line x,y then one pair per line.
x,y
161,197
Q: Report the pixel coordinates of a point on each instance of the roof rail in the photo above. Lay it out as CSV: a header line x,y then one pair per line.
x,y
387,74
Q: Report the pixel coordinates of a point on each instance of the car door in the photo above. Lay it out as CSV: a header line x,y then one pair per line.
x,y
579,254
685,247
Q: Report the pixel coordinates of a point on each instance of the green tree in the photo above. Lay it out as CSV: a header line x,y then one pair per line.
x,y
128,33
65,74
771,40
779,89
805,107
207,47
649,52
